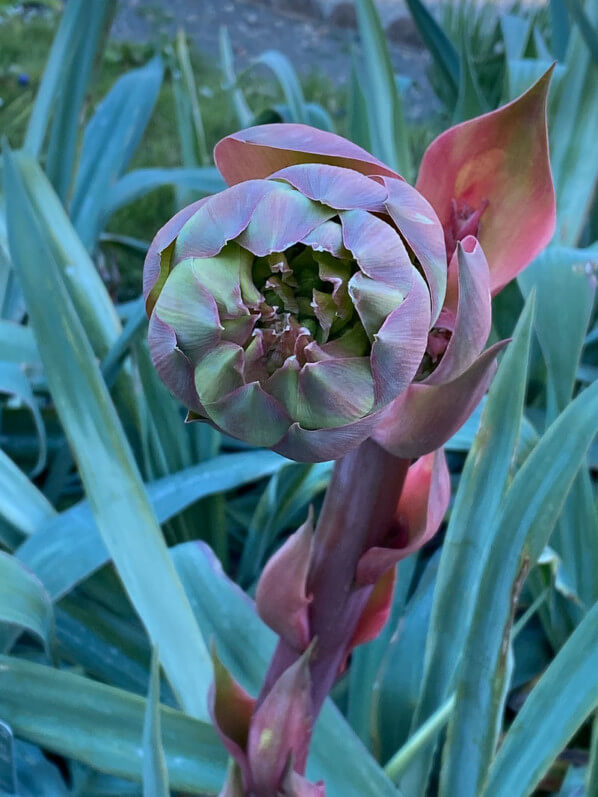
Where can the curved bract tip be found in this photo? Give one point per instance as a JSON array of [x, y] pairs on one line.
[[496, 168], [260, 151]]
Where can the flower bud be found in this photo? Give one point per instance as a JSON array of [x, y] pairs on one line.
[[290, 311], [303, 308], [281, 728], [269, 741]]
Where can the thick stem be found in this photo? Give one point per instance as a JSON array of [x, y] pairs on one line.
[[359, 511]]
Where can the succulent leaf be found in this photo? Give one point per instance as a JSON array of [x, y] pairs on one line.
[[376, 611], [422, 506], [231, 709], [468, 313], [281, 595]]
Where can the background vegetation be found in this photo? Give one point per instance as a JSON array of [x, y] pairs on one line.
[[126, 535]]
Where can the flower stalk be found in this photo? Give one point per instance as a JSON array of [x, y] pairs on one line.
[[324, 592], [323, 307], [359, 512]]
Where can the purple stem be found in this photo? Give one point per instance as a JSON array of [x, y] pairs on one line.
[[358, 512]]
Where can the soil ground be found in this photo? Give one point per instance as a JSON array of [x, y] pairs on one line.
[[316, 35]]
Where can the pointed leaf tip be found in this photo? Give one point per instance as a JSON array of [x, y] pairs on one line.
[[469, 310], [281, 598], [500, 158], [376, 611], [424, 417], [281, 727], [231, 709]]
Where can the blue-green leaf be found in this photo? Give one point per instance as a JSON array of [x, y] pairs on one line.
[[105, 461], [8, 773], [36, 775], [515, 33], [521, 531], [559, 17], [288, 492], [588, 31], [562, 277], [365, 698], [135, 184], [574, 146], [72, 537], [92, 25], [358, 122], [562, 699], [243, 111], [470, 98], [78, 30], [289, 82], [82, 279], [465, 550], [440, 46], [24, 603], [398, 679], [388, 131], [592, 770], [21, 503], [103, 726], [155, 773], [110, 139], [318, 116], [14, 382], [190, 90], [17, 343]]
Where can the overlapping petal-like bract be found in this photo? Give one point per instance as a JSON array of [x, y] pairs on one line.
[[490, 176], [309, 305], [455, 373], [290, 311], [268, 741], [423, 503], [489, 181]]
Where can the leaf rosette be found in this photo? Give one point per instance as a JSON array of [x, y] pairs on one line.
[[289, 311]]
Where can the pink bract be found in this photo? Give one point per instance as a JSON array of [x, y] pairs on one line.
[[267, 741], [497, 163]]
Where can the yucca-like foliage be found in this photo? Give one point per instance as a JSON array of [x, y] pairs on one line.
[[127, 537]]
